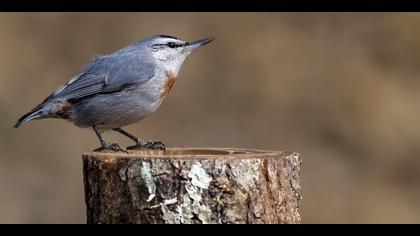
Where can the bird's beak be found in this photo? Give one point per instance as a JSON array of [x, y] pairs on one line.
[[196, 44]]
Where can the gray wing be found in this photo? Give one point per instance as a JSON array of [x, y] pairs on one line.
[[105, 75]]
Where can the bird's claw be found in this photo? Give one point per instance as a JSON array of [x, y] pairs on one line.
[[111, 147], [148, 145], [156, 145]]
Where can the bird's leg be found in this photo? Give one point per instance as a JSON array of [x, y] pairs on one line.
[[141, 143], [106, 146], [132, 137]]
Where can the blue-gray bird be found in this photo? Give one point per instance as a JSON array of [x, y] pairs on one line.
[[119, 89]]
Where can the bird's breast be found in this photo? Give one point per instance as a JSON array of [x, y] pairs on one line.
[[167, 86]]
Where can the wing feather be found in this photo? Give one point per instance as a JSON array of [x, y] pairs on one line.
[[105, 75]]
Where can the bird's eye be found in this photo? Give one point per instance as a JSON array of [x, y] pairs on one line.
[[171, 45]]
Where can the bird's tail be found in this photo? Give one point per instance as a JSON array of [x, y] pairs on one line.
[[49, 109], [34, 114]]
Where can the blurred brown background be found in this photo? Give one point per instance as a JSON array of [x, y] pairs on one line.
[[342, 89]]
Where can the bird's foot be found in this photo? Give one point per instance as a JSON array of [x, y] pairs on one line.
[[111, 147], [155, 145], [148, 145]]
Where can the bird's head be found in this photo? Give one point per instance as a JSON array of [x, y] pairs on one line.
[[170, 52]]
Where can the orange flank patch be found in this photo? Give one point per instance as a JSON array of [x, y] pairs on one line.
[[169, 83], [64, 111], [66, 104]]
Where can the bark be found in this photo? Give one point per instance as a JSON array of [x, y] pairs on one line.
[[184, 185]]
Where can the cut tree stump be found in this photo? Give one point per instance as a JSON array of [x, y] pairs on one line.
[[192, 185]]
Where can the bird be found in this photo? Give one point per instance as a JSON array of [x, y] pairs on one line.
[[119, 89]]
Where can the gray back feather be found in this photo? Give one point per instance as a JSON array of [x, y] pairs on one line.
[[108, 74]]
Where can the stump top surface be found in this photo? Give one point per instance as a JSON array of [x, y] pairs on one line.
[[190, 153]]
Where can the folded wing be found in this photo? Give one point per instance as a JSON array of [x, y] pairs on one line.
[[105, 75]]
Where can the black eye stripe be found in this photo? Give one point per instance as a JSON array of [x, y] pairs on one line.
[[170, 44]]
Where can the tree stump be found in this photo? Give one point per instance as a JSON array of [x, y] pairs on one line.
[[187, 185]]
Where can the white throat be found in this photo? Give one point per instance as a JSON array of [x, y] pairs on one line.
[[172, 66]]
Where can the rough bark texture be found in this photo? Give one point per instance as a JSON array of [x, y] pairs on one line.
[[192, 186]]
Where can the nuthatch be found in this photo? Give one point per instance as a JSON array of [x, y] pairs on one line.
[[119, 89]]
